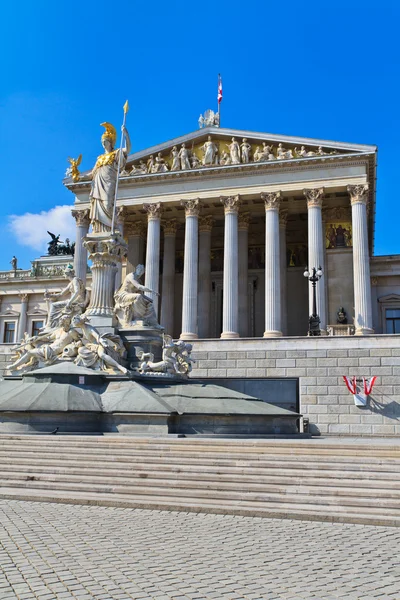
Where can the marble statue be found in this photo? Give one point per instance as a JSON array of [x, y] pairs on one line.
[[140, 169], [132, 306], [73, 170], [257, 154], [184, 158], [234, 151], [104, 179], [201, 121], [14, 263], [176, 162], [48, 346], [195, 161], [225, 158], [71, 300], [160, 166], [150, 164], [245, 151], [101, 352], [209, 150], [264, 154], [176, 359], [283, 153]]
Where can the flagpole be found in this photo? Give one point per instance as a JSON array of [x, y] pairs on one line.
[[126, 108], [219, 102]]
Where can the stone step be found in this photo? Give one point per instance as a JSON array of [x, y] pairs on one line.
[[294, 511], [178, 445], [280, 445], [263, 462], [327, 487], [199, 473], [302, 496]]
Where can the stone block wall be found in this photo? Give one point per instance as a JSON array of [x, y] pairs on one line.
[[320, 364]]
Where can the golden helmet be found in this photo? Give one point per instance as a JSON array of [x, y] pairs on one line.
[[110, 132]]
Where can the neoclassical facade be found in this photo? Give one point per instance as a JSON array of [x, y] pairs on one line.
[[226, 221]]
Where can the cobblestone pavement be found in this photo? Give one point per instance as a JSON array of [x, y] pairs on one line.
[[56, 551]]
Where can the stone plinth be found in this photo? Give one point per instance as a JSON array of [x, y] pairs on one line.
[[138, 339]]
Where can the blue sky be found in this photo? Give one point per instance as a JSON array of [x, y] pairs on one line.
[[327, 70]]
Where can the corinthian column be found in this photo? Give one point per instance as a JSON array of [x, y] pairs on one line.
[[273, 327], [121, 214], [362, 278], [134, 233], [316, 252], [190, 269], [168, 276], [152, 273], [230, 306], [204, 303], [22, 316], [283, 214], [243, 230], [80, 257]]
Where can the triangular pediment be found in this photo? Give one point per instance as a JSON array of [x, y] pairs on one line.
[[193, 151]]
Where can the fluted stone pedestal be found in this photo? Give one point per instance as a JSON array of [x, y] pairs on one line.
[[106, 252]]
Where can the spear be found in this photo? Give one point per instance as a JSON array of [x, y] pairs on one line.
[[126, 108]]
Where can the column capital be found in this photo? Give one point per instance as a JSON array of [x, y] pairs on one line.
[[231, 204], [170, 227], [358, 193], [24, 297], [283, 216], [315, 197], [206, 223], [244, 221], [272, 200], [192, 207], [153, 211], [81, 217], [136, 228]]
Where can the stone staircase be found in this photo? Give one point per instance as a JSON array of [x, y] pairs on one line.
[[324, 480]]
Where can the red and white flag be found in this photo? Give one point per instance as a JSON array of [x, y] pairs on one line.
[[369, 384], [351, 384], [219, 97]]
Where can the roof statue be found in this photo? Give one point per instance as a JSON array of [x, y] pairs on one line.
[[209, 119], [73, 170]]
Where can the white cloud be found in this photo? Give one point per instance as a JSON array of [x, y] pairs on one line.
[[30, 229]]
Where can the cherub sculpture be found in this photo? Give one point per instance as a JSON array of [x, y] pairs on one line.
[[73, 170]]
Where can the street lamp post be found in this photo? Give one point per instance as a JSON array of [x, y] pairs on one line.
[[314, 321]]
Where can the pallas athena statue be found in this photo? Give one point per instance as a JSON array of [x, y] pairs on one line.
[[104, 178]]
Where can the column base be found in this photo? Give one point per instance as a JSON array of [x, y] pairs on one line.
[[363, 331], [229, 335], [272, 334], [188, 336]]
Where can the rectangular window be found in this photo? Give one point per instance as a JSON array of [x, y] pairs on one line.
[[9, 332], [36, 327], [392, 320]]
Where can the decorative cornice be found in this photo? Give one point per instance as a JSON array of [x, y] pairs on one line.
[[358, 193], [81, 217], [170, 227], [153, 211], [283, 217], [206, 223], [272, 200], [134, 229], [231, 204], [192, 207], [244, 221], [315, 197]]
